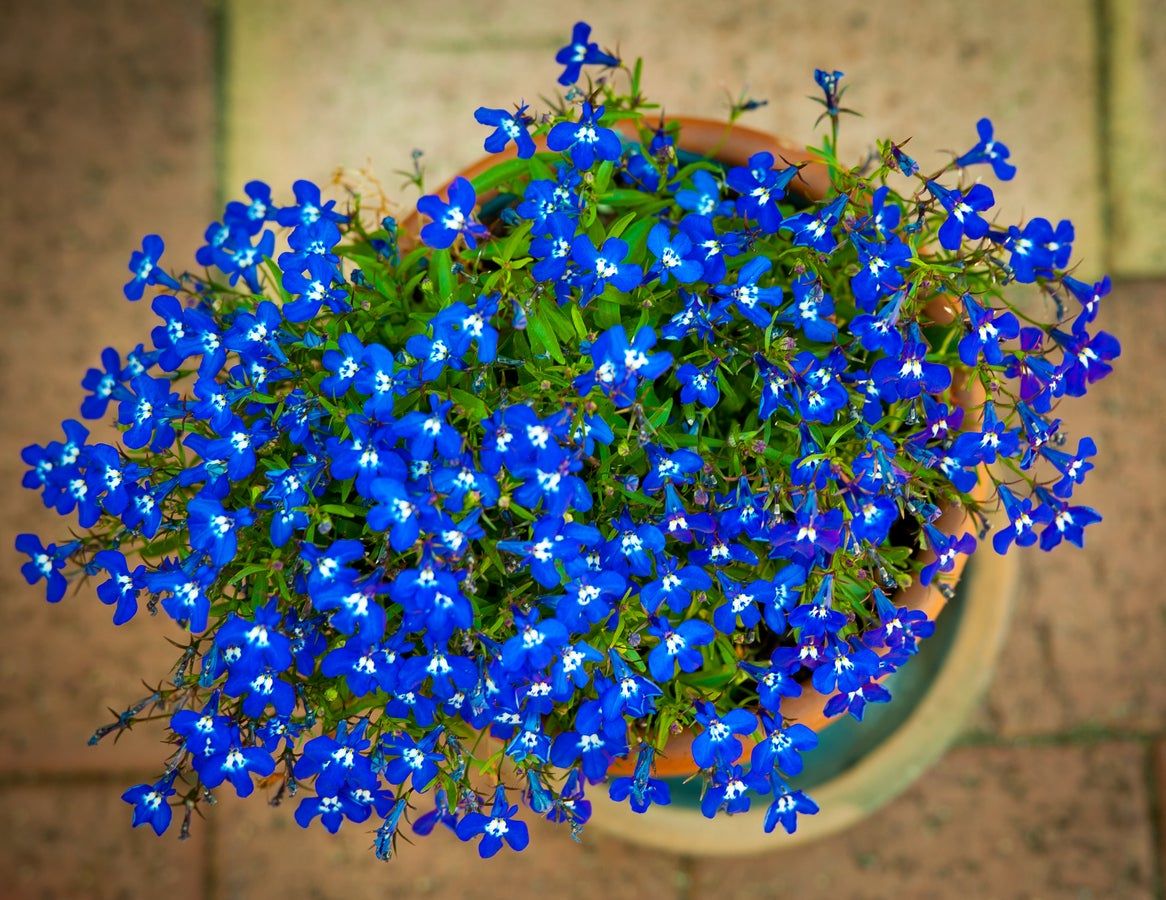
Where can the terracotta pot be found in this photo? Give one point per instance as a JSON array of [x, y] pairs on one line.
[[733, 145]]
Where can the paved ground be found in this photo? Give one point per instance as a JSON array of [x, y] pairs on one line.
[[1058, 790]]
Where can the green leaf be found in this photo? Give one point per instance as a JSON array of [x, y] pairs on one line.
[[542, 336], [474, 406], [620, 224], [441, 273], [603, 176], [500, 174]]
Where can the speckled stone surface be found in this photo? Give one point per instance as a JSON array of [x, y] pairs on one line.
[[926, 71], [1136, 134]]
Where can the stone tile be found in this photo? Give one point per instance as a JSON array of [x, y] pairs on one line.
[[107, 137], [1158, 781], [395, 79], [1136, 162], [261, 852], [1005, 823], [75, 841], [1085, 650]]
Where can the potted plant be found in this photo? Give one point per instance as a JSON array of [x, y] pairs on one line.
[[644, 448]]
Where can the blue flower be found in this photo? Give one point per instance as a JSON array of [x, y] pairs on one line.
[[776, 682], [1068, 522], [239, 258], [440, 814], [258, 641], [1073, 467], [811, 309], [900, 628], [507, 127], [552, 539], [910, 375], [817, 619], [946, 548], [748, 298], [880, 269], [640, 787], [408, 759], [1022, 521], [321, 284], [149, 803], [1087, 358], [620, 365], [123, 586], [338, 761], [589, 598], [817, 229], [717, 743], [581, 52], [760, 188], [333, 809], [144, 265], [569, 672], [214, 529], [1039, 248], [44, 563], [500, 825], [452, 218], [988, 151], [628, 694], [988, 328], [101, 383], [308, 208], [430, 433], [234, 763], [148, 408], [854, 702], [1089, 296], [677, 646], [710, 247], [677, 467], [728, 789], [594, 742], [820, 394], [586, 140], [994, 439], [386, 833], [844, 668], [534, 644], [704, 197], [963, 213], [699, 385], [674, 256], [552, 247], [249, 217], [786, 808], [603, 266], [829, 83]]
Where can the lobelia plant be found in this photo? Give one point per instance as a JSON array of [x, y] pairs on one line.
[[642, 443]]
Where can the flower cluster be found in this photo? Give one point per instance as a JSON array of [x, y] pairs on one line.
[[476, 512]]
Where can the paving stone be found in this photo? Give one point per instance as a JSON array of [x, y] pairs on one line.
[[1158, 781], [1085, 648], [1005, 823], [106, 138], [387, 78], [1136, 166], [75, 841], [261, 852]]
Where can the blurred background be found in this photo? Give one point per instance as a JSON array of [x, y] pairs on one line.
[[122, 117]]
